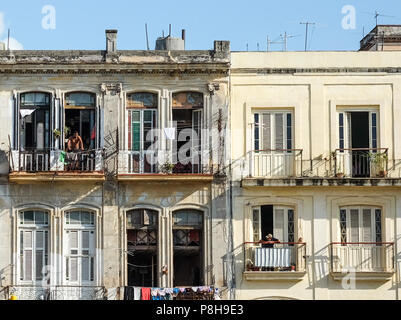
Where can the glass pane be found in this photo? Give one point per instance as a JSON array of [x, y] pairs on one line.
[[85, 269], [39, 217], [28, 217], [80, 99], [142, 100], [75, 217]]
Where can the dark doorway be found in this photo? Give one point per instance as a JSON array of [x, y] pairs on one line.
[[187, 268], [266, 216], [82, 121], [142, 269], [360, 140]]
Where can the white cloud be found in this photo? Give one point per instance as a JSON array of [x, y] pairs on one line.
[[1, 23], [14, 44]]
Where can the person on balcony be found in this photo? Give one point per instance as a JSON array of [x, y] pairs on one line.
[[74, 146], [270, 241]]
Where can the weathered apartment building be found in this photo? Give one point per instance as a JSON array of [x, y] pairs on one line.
[[300, 145]]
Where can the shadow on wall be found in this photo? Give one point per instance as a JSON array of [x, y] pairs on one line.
[[3, 163]]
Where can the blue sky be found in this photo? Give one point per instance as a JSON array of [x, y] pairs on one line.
[[81, 24]]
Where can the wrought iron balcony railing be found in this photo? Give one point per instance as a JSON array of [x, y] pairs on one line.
[[275, 256], [149, 162], [56, 292], [56, 160], [361, 162]]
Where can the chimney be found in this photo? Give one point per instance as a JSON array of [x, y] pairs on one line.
[[183, 36], [111, 41]]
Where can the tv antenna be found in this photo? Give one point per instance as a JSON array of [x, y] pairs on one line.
[[376, 15], [270, 42], [285, 38], [306, 32]]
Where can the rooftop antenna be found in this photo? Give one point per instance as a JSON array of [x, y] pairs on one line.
[[246, 47], [306, 32], [8, 40], [169, 30], [147, 38], [285, 38], [257, 45], [270, 42], [376, 15]]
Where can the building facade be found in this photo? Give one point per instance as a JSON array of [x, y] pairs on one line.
[[317, 166], [130, 208], [190, 159]]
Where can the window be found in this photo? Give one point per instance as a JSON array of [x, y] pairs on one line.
[[80, 116], [360, 224], [79, 247], [276, 220], [273, 131], [33, 229], [142, 120], [34, 121], [142, 229], [187, 115], [187, 241]]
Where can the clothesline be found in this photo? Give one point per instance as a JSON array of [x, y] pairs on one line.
[[152, 293]]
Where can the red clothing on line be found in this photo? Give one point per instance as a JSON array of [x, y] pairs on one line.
[[145, 294]]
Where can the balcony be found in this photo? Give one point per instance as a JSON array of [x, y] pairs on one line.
[[281, 261], [49, 165], [275, 164], [145, 166], [57, 292], [369, 261], [361, 163]]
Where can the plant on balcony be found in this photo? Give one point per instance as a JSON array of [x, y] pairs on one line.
[[166, 168], [378, 160], [56, 133]]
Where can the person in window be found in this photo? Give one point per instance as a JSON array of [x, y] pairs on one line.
[[74, 146], [270, 241]]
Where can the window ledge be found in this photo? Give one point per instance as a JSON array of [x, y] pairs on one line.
[[274, 275], [364, 276]]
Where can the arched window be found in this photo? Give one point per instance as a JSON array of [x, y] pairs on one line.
[[142, 120], [79, 247], [187, 242], [187, 114], [80, 116], [33, 229], [142, 229], [35, 121]]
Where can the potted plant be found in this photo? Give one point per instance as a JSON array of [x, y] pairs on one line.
[[167, 167], [67, 131], [377, 161], [56, 133]]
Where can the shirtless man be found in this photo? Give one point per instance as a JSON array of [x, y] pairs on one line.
[[74, 145]]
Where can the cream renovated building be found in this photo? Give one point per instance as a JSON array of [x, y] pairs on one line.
[[316, 162]]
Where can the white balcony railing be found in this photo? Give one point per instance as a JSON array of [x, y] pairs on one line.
[[284, 256], [56, 160], [275, 163], [362, 257]]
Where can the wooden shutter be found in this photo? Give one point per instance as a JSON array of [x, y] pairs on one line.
[[279, 131], [289, 131], [278, 224], [256, 225], [266, 131], [39, 253], [341, 130], [136, 130], [366, 225], [354, 225], [27, 243], [373, 130]]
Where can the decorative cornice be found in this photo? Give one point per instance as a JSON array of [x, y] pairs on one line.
[[390, 70]]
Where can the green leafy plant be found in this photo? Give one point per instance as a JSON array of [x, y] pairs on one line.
[[378, 161], [166, 167], [57, 133], [67, 131]]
